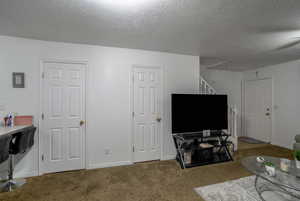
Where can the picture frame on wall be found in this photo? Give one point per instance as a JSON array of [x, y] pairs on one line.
[[18, 80]]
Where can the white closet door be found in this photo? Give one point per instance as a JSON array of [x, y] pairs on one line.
[[63, 128], [147, 104]]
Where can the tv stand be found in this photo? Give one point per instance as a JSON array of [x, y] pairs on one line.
[[196, 149]]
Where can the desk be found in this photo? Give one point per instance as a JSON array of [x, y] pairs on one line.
[[18, 146], [12, 130]]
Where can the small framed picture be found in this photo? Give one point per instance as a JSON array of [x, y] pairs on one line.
[[18, 80]]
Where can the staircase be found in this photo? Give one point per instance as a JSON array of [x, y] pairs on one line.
[[206, 88]]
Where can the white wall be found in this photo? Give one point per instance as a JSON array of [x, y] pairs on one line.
[[227, 82], [286, 100], [108, 89]]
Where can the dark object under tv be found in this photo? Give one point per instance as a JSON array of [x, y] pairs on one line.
[[191, 115]]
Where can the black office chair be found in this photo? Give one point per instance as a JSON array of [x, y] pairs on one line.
[[21, 143], [30, 141], [4, 149]]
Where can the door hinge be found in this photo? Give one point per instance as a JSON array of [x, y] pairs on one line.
[[43, 116], [43, 75], [133, 149], [132, 78], [43, 157], [133, 114]]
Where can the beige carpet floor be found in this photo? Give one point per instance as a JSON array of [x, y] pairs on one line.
[[153, 181]]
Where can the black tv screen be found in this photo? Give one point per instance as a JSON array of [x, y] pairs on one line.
[[197, 112]]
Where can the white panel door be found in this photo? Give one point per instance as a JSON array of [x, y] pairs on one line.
[[258, 108], [63, 128], [147, 107]]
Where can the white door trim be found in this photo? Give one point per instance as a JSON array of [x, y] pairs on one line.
[[84, 142], [132, 110], [243, 105]]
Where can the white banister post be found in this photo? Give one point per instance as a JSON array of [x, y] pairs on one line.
[[201, 85], [229, 119], [235, 128]]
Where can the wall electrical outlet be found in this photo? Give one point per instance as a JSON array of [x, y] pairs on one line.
[[107, 151]]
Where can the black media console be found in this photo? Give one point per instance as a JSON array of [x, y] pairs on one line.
[[202, 148]]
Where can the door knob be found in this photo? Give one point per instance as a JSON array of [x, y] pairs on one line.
[[267, 114], [81, 122], [158, 119]]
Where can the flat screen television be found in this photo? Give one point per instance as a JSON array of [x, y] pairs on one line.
[[193, 113]]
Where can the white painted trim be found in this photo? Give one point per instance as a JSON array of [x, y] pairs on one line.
[[20, 174], [41, 87], [215, 64], [109, 164], [242, 110], [243, 124], [272, 112], [65, 61], [169, 157], [162, 70], [27, 174], [39, 118], [131, 85]]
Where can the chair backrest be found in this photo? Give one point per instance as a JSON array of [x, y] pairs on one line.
[[4, 147], [23, 141], [30, 140], [19, 143]]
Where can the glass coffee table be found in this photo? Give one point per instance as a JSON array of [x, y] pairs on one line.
[[285, 184]]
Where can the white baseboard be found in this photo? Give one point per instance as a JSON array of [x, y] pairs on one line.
[[169, 157], [26, 174], [109, 164], [281, 145], [4, 174]]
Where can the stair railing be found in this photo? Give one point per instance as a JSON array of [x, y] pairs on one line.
[[206, 88]]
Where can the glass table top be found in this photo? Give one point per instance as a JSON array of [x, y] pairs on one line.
[[290, 179]]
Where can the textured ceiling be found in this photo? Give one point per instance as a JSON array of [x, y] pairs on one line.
[[244, 33]]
